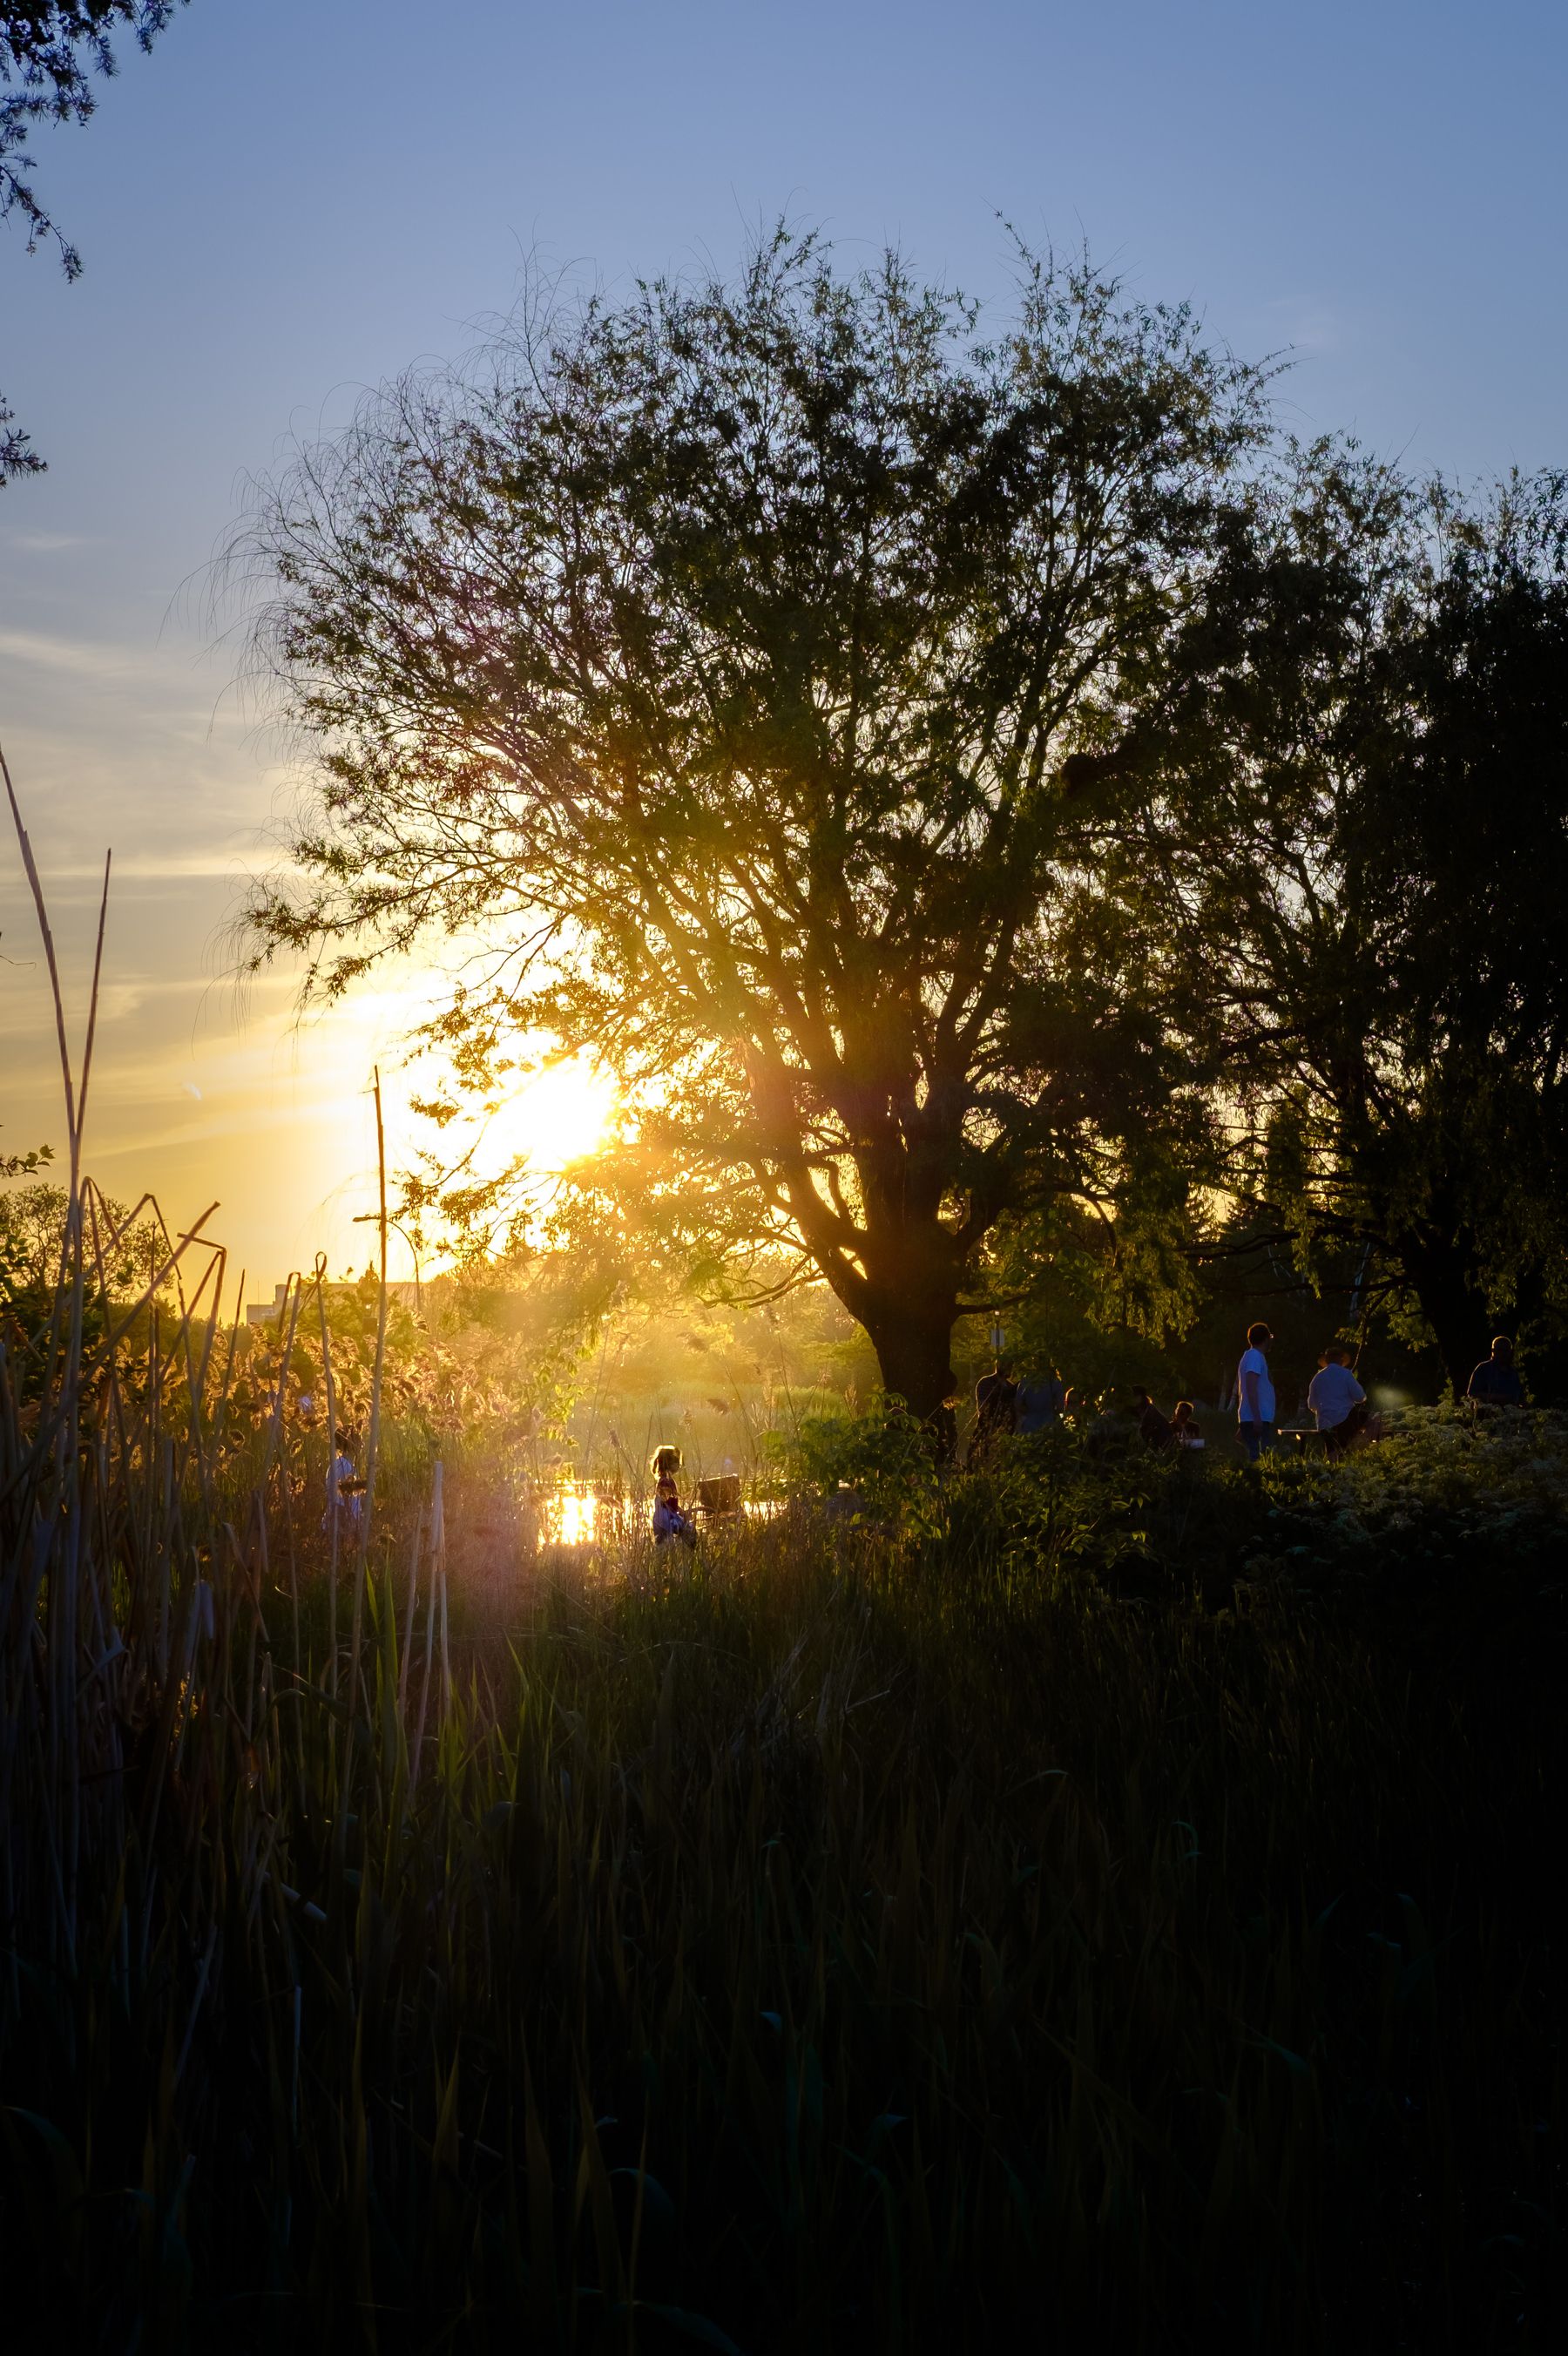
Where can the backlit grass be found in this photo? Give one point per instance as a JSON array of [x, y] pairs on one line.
[[1123, 1918]]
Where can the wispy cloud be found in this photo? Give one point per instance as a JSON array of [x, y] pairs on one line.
[[81, 658], [48, 543], [268, 1119], [1306, 324], [132, 993], [147, 867]]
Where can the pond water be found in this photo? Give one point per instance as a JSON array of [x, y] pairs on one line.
[[569, 1516], [585, 1513]]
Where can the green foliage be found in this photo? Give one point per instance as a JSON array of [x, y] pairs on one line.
[[1103, 1295], [32, 1253], [953, 882], [879, 1462], [488, 1366], [1111, 1896], [1445, 1498], [1123, 1903], [1362, 796], [25, 1165]]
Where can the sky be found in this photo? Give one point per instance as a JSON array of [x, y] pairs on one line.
[[292, 199]]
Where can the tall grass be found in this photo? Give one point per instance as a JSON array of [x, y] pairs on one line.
[[820, 1946], [1120, 1918]]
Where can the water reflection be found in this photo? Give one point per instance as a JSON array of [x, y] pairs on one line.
[[577, 1515], [587, 1512], [574, 1514]]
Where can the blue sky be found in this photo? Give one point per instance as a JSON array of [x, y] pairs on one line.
[[291, 198]]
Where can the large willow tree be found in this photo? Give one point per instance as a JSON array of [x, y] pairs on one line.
[[727, 660]]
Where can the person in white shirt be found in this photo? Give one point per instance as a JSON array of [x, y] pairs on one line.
[[1333, 1396], [1254, 1395]]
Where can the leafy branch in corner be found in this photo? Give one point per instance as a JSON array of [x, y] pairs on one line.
[[49, 52]]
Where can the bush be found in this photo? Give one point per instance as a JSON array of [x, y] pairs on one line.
[[880, 1463]]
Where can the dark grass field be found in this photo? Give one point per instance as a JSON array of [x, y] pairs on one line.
[[1125, 1919]]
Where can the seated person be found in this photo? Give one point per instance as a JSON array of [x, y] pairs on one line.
[[1336, 1399], [1153, 1427], [1496, 1382], [344, 1487], [669, 1521], [1184, 1425]]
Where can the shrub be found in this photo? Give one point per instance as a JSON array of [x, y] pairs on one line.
[[880, 1463]]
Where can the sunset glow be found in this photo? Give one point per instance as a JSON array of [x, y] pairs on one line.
[[556, 1118], [783, 812]]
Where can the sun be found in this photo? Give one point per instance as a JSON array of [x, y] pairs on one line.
[[556, 1118]]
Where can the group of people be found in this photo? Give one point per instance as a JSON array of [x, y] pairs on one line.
[[1022, 1405], [1340, 1410], [1337, 1403], [1340, 1406]]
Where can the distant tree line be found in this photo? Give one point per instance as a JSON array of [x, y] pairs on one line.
[[985, 791]]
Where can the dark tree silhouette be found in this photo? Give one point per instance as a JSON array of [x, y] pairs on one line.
[[1363, 813], [723, 658]]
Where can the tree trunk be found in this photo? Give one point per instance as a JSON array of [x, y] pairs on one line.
[[900, 1268], [914, 1342], [1443, 1277]]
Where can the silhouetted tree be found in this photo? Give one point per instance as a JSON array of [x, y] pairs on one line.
[[721, 660], [1362, 812]]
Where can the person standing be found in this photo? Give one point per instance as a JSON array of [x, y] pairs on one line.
[[1496, 1382], [1254, 1395], [1039, 1403], [1334, 1395]]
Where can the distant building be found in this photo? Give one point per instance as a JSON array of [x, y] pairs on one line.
[[263, 1312], [269, 1313]]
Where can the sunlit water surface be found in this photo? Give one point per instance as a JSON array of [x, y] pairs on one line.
[[579, 1514]]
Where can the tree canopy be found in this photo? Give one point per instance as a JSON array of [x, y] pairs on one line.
[[1361, 798], [731, 662]]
